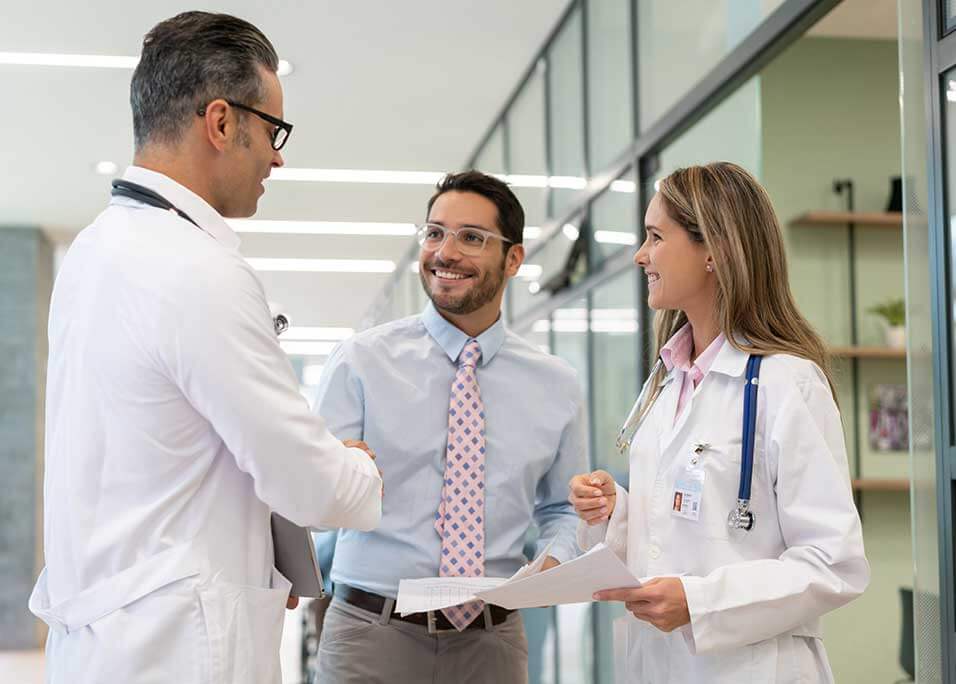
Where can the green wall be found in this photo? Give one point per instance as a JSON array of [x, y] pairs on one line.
[[830, 109]]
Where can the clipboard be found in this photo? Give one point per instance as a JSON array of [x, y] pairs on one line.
[[294, 552]]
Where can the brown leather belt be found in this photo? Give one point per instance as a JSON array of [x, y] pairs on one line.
[[435, 621]]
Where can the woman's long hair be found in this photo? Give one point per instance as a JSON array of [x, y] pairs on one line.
[[724, 207]]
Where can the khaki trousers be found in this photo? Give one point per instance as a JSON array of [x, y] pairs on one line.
[[364, 648]]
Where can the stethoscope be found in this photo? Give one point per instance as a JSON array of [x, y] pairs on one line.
[[140, 193], [741, 517]]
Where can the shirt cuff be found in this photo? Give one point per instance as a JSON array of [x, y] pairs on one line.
[[612, 532], [564, 548], [695, 633]]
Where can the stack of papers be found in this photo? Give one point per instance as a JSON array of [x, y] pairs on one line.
[[571, 582]]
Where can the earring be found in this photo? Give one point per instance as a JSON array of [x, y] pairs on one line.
[[709, 268]]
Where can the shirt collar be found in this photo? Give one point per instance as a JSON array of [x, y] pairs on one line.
[[452, 340], [678, 349], [730, 360], [187, 201]]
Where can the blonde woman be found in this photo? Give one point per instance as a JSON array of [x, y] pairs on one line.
[[728, 604]]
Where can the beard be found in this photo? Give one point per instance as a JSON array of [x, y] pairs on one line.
[[482, 292]]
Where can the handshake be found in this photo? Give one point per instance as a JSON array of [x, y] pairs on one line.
[[359, 444]]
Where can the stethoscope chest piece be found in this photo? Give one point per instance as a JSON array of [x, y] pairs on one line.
[[741, 517]]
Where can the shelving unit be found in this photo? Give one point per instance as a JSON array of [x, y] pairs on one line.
[[868, 352], [881, 485], [855, 353], [840, 219]]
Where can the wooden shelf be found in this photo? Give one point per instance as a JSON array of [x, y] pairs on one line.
[[868, 352], [841, 218], [881, 485]]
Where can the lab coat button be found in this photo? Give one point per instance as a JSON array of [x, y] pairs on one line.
[[654, 551]]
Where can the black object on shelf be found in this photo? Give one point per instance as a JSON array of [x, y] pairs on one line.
[[907, 650], [895, 202]]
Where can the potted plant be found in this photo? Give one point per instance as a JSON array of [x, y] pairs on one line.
[[893, 313]]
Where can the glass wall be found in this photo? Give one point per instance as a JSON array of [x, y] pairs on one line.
[[614, 221], [566, 115], [690, 37], [616, 354], [492, 157], [527, 148], [920, 357], [610, 82]]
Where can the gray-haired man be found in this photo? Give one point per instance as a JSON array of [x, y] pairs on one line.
[[174, 421]]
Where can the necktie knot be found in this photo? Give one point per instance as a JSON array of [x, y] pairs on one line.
[[470, 354]]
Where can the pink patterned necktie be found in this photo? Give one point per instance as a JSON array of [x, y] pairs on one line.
[[460, 520]]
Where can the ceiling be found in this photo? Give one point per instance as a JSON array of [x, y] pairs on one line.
[[377, 85]]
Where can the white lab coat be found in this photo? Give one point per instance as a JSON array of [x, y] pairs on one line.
[[755, 598], [174, 425]]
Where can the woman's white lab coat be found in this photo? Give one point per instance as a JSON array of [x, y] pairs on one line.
[[755, 598]]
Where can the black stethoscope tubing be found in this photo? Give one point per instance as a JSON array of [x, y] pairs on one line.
[[140, 193]]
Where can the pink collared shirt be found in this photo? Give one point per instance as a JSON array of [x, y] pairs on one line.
[[677, 353]]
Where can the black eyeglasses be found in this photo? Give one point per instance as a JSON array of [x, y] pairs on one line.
[[281, 132]]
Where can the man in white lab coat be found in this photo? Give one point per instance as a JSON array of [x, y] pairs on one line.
[[174, 424]]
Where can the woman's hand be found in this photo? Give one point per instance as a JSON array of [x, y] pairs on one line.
[[593, 496], [661, 602]]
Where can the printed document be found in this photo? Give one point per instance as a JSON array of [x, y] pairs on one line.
[[571, 582]]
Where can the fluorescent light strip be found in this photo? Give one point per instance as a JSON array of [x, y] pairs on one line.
[[303, 332], [579, 313], [623, 186], [323, 265], [91, 61], [573, 326], [527, 271], [432, 177], [50, 59], [356, 176], [308, 348], [614, 237], [321, 227]]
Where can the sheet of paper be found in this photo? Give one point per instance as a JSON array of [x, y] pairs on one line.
[[534, 567], [435, 593], [571, 582]]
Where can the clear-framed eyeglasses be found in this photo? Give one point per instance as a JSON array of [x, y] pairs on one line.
[[471, 241]]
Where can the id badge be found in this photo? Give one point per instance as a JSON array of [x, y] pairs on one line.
[[688, 491]]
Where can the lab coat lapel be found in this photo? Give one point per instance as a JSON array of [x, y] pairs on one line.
[[667, 407]]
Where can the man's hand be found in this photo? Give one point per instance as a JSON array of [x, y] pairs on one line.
[[359, 444], [593, 496], [661, 602], [550, 562], [291, 602]]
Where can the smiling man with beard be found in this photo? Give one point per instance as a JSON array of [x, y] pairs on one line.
[[479, 432]]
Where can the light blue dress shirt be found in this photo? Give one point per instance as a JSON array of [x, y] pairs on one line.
[[391, 385]]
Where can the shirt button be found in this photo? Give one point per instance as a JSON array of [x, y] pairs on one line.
[[654, 551]]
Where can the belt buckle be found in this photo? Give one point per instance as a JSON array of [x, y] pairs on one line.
[[433, 625]]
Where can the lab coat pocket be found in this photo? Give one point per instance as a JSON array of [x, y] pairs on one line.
[[720, 464], [244, 624], [168, 620]]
